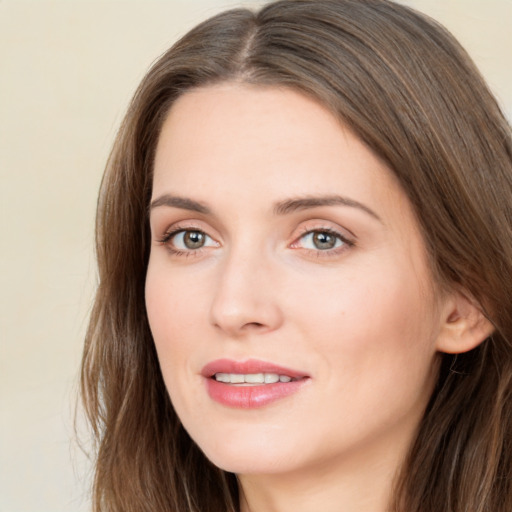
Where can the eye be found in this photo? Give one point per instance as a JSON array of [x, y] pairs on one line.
[[322, 240], [189, 240], [183, 240]]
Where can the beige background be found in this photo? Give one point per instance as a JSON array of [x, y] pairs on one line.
[[68, 69]]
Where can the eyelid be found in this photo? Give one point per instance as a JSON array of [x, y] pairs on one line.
[[319, 225], [170, 229]]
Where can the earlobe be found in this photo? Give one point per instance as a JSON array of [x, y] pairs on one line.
[[464, 326]]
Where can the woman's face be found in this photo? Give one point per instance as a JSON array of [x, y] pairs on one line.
[[288, 289]]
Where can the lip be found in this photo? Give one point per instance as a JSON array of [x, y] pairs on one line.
[[250, 397]]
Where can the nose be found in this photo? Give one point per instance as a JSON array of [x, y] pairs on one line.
[[245, 300]]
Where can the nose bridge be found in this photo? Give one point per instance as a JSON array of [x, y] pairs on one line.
[[243, 300]]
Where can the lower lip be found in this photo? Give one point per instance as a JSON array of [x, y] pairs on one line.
[[251, 397]]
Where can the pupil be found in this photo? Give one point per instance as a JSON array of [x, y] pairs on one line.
[[324, 240], [193, 239]]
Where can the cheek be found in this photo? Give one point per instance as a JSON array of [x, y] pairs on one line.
[[374, 354], [371, 326], [173, 298], [173, 308], [170, 308]]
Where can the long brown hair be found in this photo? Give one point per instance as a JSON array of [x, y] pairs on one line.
[[412, 94]]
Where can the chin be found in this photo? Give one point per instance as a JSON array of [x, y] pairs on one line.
[[251, 463], [250, 455]]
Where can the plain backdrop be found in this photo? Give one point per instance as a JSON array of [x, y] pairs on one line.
[[67, 71]]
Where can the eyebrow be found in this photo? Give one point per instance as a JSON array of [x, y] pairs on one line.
[[305, 203], [180, 202], [281, 208]]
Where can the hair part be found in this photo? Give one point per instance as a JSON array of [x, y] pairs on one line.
[[407, 89]]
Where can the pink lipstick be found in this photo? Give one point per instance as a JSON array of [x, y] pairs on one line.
[[250, 384]]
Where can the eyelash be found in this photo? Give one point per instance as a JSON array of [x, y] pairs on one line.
[[346, 243]]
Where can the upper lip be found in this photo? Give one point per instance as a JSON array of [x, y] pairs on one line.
[[249, 366]]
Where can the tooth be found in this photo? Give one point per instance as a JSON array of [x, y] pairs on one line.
[[255, 378], [251, 378]]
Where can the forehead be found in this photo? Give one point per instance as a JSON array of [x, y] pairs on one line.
[[245, 136], [249, 116]]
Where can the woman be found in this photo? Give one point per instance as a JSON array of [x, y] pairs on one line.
[[305, 253]]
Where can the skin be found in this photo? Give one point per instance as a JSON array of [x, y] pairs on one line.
[[363, 320]]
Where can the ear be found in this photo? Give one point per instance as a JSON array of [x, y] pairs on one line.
[[464, 325]]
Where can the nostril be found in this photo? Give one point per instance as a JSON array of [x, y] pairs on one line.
[[254, 324]]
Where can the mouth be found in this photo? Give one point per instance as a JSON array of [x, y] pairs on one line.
[[251, 379], [250, 384]]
